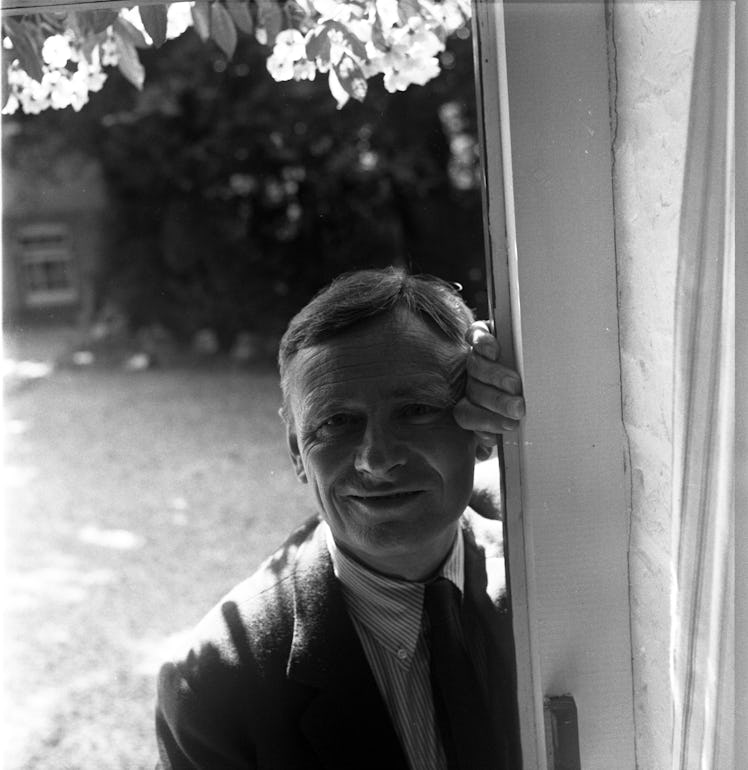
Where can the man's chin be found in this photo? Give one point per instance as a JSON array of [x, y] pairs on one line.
[[403, 549]]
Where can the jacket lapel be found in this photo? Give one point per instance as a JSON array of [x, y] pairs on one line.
[[346, 721]]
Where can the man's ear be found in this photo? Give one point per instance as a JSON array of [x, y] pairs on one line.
[[293, 449]]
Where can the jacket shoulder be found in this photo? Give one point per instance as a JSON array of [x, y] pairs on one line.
[[255, 618], [215, 698]]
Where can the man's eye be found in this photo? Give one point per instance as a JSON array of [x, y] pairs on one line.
[[338, 423], [338, 419], [421, 412]]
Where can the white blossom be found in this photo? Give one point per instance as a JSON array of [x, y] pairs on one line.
[[405, 52], [388, 13], [61, 85], [280, 68], [411, 72], [94, 75], [288, 49], [56, 51], [109, 51], [361, 28], [449, 14], [304, 70], [11, 105], [178, 19], [59, 89], [423, 43], [291, 43], [336, 89]]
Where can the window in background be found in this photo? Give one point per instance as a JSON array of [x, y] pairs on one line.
[[47, 265]]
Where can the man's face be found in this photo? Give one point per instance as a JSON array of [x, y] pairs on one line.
[[371, 430]]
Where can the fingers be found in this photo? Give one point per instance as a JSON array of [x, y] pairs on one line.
[[492, 402], [493, 373], [504, 401], [484, 422]]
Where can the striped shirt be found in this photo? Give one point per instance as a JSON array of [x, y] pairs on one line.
[[387, 615]]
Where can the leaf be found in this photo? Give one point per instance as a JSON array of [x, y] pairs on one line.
[[129, 63], [294, 13], [89, 43], [154, 21], [94, 21], [440, 32], [318, 47], [223, 30], [26, 48], [239, 10], [51, 23], [351, 78], [201, 20], [124, 29], [377, 34], [407, 9], [270, 18], [5, 62], [353, 43]]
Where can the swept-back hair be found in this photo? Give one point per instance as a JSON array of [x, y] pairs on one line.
[[364, 294]]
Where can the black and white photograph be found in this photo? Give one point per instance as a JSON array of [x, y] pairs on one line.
[[371, 394]]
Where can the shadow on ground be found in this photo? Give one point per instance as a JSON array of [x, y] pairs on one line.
[[134, 500]]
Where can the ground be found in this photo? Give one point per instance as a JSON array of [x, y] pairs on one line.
[[134, 500]]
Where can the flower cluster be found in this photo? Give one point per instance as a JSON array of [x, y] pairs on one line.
[[350, 41], [356, 41], [68, 76], [72, 65]]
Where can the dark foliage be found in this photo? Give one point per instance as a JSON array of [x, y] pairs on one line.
[[237, 197]]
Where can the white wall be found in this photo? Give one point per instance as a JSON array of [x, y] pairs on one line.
[[652, 58]]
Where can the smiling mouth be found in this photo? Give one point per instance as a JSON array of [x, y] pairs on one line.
[[385, 497]]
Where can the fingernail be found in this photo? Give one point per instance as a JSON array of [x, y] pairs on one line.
[[517, 407]]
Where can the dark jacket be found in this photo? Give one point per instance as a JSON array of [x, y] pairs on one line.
[[276, 676]]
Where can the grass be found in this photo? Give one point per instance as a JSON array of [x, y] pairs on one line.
[[134, 501]]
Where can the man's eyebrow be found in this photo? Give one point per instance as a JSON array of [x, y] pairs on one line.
[[320, 400], [423, 388]]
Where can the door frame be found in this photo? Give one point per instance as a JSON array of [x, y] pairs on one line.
[[544, 104]]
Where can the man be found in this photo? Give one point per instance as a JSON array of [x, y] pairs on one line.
[[378, 635]]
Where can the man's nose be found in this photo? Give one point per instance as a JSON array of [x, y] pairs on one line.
[[379, 451]]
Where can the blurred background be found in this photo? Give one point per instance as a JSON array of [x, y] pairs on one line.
[[155, 245]]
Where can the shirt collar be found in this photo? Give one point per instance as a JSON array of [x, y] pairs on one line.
[[390, 609]]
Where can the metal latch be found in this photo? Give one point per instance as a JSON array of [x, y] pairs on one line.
[[561, 733]]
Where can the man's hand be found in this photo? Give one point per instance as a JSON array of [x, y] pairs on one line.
[[493, 401]]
